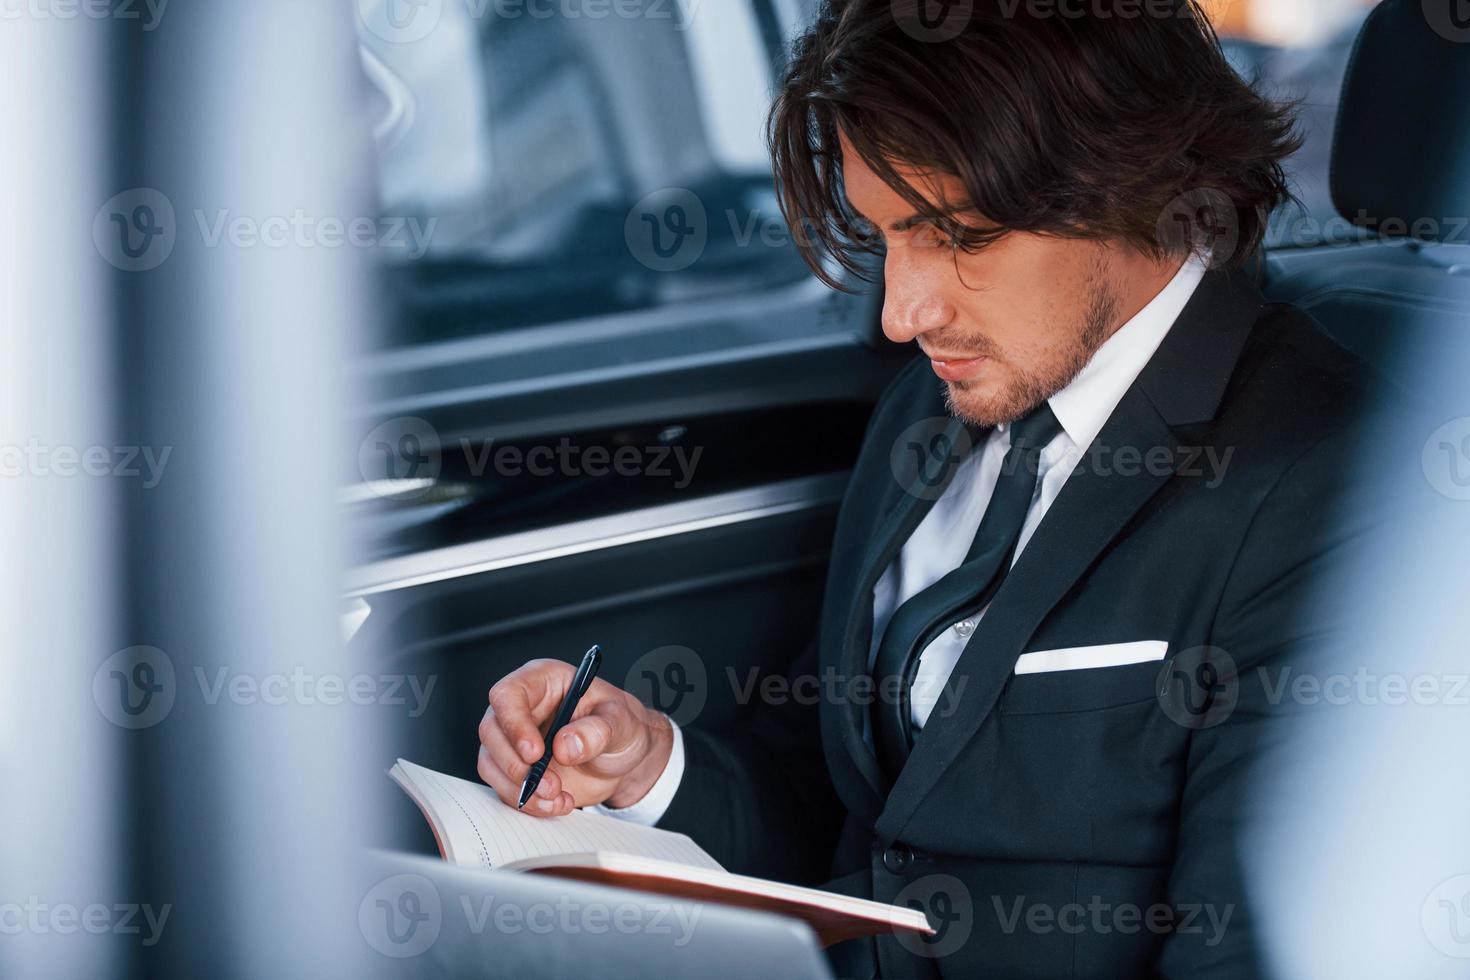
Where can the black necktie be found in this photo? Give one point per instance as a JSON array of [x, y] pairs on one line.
[[962, 593]]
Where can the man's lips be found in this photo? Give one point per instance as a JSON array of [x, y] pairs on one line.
[[957, 368]]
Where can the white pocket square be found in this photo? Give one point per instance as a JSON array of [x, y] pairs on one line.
[[1086, 658]]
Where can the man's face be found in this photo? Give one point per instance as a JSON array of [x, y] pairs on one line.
[[1005, 328]]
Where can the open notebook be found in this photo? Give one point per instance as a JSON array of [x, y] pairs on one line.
[[475, 829]]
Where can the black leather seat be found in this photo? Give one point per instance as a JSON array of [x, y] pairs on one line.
[[1401, 170]]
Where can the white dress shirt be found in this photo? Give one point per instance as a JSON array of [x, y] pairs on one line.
[[940, 542]]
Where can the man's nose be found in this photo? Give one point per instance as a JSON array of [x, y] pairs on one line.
[[913, 301]]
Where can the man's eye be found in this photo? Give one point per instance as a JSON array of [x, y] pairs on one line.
[[932, 237]]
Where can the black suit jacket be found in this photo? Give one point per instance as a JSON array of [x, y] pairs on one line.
[[1081, 823]]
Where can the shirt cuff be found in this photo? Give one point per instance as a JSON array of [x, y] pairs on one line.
[[655, 803]]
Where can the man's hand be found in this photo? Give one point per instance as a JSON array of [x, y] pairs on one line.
[[613, 750]]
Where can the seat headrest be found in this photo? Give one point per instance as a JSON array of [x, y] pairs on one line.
[[1401, 154]]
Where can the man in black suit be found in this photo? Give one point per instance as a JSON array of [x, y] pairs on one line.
[[1072, 567]]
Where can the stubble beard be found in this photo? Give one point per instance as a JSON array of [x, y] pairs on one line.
[[1025, 390]]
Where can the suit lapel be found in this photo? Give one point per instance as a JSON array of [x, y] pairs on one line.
[[899, 511], [1091, 509], [1182, 384]]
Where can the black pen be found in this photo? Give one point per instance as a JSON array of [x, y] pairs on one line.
[[591, 660]]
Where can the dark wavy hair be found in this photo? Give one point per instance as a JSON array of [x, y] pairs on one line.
[[1078, 118]]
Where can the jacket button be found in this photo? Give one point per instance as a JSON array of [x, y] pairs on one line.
[[897, 858]]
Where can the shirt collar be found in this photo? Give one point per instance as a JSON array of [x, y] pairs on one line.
[[1084, 405]]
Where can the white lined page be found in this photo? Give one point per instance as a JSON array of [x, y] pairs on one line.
[[483, 831]]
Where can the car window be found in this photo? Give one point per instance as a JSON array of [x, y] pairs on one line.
[[548, 162], [1298, 50]]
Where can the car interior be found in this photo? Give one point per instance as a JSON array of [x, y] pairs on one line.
[[1399, 148], [358, 353], [480, 575]]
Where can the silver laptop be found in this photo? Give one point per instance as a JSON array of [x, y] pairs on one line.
[[426, 918]]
